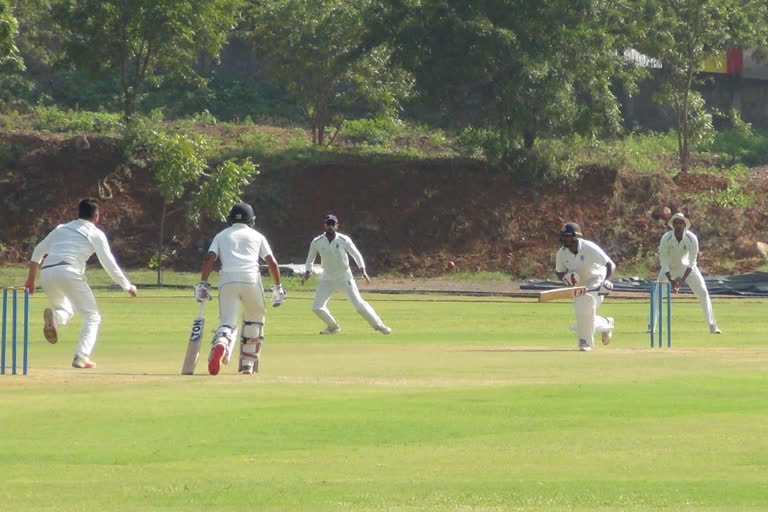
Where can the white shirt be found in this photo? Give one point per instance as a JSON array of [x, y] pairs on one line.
[[73, 243], [239, 248], [588, 263], [678, 255], [333, 256]]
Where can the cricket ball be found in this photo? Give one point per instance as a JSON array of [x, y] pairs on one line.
[[451, 266]]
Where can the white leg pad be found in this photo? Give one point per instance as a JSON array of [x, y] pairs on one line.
[[226, 335], [250, 346]]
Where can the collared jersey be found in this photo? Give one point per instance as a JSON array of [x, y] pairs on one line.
[[333, 256], [678, 254], [239, 248], [588, 263], [75, 242]]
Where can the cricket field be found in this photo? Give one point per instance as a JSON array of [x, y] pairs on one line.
[[471, 404]]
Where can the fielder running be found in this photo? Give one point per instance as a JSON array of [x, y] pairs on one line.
[[60, 257], [678, 252], [583, 263], [333, 248], [239, 248]]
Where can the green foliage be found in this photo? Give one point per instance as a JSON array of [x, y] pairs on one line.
[[10, 60], [748, 147], [77, 90], [377, 131], [178, 160], [683, 35], [53, 119], [550, 162], [319, 50], [733, 196], [539, 69], [204, 117], [222, 188], [180, 170], [639, 152], [143, 41]]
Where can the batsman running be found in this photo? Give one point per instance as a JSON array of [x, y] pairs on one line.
[[581, 262], [239, 248], [333, 248]]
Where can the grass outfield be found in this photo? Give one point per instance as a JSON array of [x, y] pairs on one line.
[[470, 405]]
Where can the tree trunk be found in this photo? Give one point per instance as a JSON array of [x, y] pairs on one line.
[[685, 154], [684, 135], [160, 248]]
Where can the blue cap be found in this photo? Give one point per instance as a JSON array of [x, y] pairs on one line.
[[329, 217], [571, 228], [241, 212]]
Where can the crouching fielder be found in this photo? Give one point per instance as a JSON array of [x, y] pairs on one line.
[[583, 263], [678, 253], [239, 248]]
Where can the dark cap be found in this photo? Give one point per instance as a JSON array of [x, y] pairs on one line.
[[571, 228], [241, 212], [329, 217]]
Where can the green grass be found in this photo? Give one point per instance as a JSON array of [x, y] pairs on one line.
[[471, 404]]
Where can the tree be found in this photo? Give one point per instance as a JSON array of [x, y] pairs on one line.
[[317, 49], [521, 69], [183, 179], [683, 34], [10, 61], [144, 40]]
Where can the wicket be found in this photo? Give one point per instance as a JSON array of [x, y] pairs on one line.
[[657, 292], [14, 330]]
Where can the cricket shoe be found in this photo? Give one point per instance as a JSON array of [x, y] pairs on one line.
[[607, 335], [216, 357], [49, 326], [331, 330], [82, 362], [249, 367], [584, 346], [383, 329], [714, 329]]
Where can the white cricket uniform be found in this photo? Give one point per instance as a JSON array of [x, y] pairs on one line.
[[239, 248], [589, 265], [66, 250], [676, 256], [337, 275]]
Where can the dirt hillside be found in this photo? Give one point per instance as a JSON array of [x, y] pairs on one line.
[[408, 217]]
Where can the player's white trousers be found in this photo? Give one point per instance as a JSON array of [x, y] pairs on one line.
[[251, 295], [69, 293], [695, 282], [588, 322], [325, 289]]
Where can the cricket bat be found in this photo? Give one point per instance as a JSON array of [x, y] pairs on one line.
[[562, 293], [193, 347]]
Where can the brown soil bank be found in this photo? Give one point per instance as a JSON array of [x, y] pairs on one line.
[[408, 217]]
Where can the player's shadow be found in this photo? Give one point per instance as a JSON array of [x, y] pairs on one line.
[[518, 349]]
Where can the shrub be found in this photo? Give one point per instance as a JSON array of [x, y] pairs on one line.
[[373, 132], [70, 121]]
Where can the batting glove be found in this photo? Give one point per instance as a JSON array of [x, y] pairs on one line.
[[605, 288], [203, 291], [570, 279], [278, 295]]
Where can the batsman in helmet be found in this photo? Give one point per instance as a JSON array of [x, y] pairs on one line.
[[239, 247], [580, 262]]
